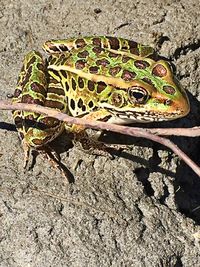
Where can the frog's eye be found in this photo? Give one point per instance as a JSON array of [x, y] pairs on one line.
[[137, 95]]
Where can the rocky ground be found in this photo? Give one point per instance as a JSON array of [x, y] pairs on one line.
[[140, 208]]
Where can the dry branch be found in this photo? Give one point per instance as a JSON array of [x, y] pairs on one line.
[[151, 134]]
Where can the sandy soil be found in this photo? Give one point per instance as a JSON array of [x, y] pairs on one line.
[[140, 208]]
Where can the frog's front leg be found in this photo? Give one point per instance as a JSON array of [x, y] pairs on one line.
[[98, 115], [91, 143]]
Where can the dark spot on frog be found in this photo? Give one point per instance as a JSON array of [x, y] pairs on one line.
[[66, 86], [169, 89], [63, 47], [80, 103], [114, 42], [54, 104], [114, 55], [113, 71], [93, 69], [97, 50], [50, 122], [64, 73], [72, 104], [41, 67], [83, 108], [128, 75], [56, 90], [40, 142], [159, 70], [30, 100], [30, 63], [103, 62], [91, 85], [53, 48], [132, 44], [90, 104], [100, 87], [80, 82], [80, 64], [18, 122], [83, 54], [17, 92], [30, 117], [80, 43], [52, 80], [125, 59], [147, 80], [96, 41], [134, 51], [51, 60], [39, 88], [56, 73], [73, 84], [141, 64]]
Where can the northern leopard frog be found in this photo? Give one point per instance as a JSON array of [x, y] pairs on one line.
[[99, 78]]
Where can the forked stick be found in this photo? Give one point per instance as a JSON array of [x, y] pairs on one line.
[[151, 134]]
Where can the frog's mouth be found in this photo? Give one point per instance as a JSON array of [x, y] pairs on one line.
[[142, 115], [130, 117]]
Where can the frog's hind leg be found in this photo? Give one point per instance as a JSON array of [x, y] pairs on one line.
[[121, 45]]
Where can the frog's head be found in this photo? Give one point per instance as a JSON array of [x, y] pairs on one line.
[[154, 95]]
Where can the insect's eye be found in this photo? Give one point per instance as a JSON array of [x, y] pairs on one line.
[[137, 95]]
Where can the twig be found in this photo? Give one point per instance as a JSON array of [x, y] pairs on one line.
[[136, 132], [190, 132]]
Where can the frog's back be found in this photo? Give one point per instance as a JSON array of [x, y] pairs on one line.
[[129, 80]]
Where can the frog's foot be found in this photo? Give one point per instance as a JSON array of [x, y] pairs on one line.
[[92, 140], [48, 153], [91, 146], [26, 149], [52, 156]]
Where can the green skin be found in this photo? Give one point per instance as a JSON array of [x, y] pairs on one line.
[[115, 75]]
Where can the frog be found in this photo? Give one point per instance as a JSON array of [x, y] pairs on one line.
[[101, 78]]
